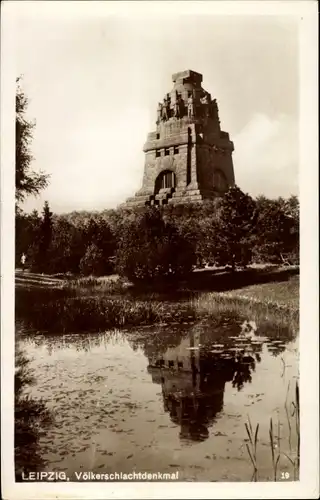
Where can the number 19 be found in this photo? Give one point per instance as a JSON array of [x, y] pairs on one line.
[[285, 475]]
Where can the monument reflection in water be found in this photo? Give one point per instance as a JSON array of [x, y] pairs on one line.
[[193, 378]]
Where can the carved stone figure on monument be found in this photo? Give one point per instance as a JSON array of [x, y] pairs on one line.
[[166, 111], [214, 113], [182, 109], [205, 104], [204, 99], [159, 112], [190, 106], [177, 107], [169, 107], [164, 114]]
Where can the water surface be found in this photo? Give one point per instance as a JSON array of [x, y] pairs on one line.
[[170, 398]]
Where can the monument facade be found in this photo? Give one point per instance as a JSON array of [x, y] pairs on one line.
[[188, 158]]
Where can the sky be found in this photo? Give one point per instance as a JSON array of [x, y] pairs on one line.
[[94, 83]]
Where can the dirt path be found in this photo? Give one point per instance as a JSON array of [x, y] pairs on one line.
[[26, 279]]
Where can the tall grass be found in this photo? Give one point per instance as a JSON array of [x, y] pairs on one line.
[[91, 304], [92, 284], [296, 413], [58, 313], [275, 440], [264, 313], [252, 447], [275, 459], [90, 314]]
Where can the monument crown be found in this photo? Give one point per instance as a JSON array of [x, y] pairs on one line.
[[189, 75]]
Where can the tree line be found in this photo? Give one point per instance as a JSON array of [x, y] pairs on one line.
[[153, 242]]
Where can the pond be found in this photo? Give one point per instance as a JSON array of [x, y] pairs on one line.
[[168, 399]]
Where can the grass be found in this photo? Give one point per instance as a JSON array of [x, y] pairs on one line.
[[275, 441], [97, 304], [265, 313], [275, 460], [58, 313], [284, 294], [252, 447], [108, 285]]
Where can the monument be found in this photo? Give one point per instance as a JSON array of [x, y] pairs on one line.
[[188, 158]]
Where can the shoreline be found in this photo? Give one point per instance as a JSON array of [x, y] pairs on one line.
[[66, 309]]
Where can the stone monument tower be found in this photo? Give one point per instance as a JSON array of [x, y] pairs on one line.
[[188, 158]]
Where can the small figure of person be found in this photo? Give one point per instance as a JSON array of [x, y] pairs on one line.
[[23, 261]]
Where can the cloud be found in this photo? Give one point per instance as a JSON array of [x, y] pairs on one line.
[[266, 156]]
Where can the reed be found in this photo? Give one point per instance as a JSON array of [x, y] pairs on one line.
[[252, 447], [295, 461], [288, 417], [59, 313], [100, 304], [275, 457], [91, 284], [297, 405], [275, 439], [90, 314]]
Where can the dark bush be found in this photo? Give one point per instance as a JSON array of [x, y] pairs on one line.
[[150, 248]]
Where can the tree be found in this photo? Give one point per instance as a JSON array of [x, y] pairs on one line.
[[100, 243], [45, 238], [27, 235], [28, 182], [292, 208], [235, 228], [149, 248], [92, 261], [67, 246], [277, 229], [197, 224]]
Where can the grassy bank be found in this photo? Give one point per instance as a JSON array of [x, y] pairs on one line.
[[283, 294], [275, 303], [266, 314], [58, 313], [97, 305]]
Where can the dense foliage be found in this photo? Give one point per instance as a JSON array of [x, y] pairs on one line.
[[149, 247], [153, 243]]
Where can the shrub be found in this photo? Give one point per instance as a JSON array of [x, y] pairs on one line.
[[30, 414], [92, 263], [150, 248]]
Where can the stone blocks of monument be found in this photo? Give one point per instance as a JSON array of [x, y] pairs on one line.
[[188, 158]]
